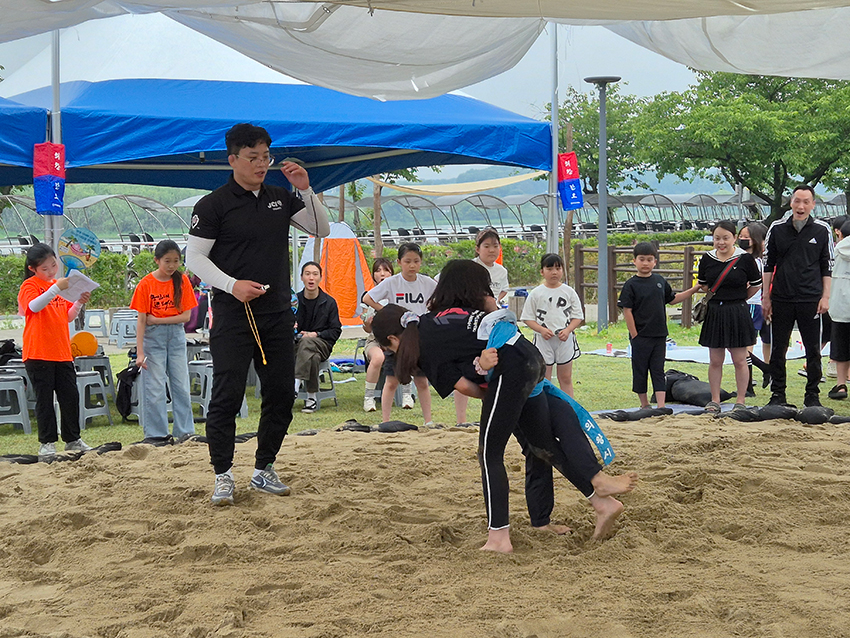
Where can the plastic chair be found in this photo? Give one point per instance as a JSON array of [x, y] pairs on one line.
[[13, 401], [122, 328], [16, 366], [326, 392], [359, 367], [101, 365], [96, 322], [90, 387]]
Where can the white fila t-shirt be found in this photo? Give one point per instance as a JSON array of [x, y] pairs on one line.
[[413, 295], [552, 308], [498, 277]]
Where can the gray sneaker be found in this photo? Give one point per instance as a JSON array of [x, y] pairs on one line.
[[78, 446], [46, 451], [268, 481], [223, 492]]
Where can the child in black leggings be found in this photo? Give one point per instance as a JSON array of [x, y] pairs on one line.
[[449, 345]]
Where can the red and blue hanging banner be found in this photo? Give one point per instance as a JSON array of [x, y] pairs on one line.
[[48, 178], [569, 184]]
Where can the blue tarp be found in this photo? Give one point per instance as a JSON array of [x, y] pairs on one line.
[[171, 132], [20, 128]]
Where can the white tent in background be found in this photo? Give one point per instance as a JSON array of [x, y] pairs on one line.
[[378, 49]]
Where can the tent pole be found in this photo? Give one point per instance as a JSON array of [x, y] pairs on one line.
[[53, 223], [552, 225]]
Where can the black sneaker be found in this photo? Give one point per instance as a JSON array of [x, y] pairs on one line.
[[750, 392], [778, 399], [310, 406], [811, 401]]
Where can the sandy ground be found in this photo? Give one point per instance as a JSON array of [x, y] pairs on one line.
[[734, 530]]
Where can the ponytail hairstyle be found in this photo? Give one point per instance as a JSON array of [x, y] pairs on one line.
[[393, 320], [162, 249], [36, 254]]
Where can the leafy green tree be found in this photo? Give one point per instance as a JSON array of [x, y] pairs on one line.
[[766, 133], [582, 111]]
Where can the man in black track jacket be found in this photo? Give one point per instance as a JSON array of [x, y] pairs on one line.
[[798, 256]]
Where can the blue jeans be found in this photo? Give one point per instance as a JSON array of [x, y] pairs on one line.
[[165, 349]]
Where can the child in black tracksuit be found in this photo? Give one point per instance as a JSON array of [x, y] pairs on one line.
[[643, 301]]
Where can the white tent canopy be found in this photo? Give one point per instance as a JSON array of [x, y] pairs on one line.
[[377, 49], [801, 44]]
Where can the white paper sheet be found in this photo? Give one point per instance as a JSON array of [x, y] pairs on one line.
[[78, 284]]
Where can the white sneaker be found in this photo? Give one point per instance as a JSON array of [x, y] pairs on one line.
[[46, 451], [831, 370], [78, 446], [407, 401], [369, 404]]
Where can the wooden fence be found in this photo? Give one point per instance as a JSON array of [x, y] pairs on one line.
[[676, 263]]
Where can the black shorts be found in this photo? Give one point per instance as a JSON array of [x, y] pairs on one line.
[[389, 365], [839, 349]]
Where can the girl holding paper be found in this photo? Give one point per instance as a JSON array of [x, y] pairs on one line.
[[47, 350]]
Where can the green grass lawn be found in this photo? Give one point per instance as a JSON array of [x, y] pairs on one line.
[[601, 383]]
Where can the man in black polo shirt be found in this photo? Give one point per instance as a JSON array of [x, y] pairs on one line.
[[239, 244], [798, 256]]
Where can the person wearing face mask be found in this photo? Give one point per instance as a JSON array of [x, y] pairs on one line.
[[751, 240]]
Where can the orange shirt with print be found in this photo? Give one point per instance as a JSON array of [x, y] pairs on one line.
[[154, 297], [46, 335]]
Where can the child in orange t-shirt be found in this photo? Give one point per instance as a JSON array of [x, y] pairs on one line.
[[47, 350], [164, 300]]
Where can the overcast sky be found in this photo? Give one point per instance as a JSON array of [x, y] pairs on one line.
[[582, 52]]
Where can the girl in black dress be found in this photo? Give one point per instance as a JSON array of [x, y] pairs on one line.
[[728, 325]]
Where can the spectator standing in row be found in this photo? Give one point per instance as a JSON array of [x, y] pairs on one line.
[[411, 290], [164, 300], [797, 280], [644, 299], [553, 311]]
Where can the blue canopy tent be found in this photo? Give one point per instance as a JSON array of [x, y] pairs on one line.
[[20, 128], [171, 132]]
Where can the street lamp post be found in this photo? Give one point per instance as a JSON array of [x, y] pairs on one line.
[[602, 83]]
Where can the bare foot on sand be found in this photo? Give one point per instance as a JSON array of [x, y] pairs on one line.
[[608, 510], [560, 530], [607, 485], [498, 540]]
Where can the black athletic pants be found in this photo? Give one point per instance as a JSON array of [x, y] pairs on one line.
[[648, 356], [513, 380], [805, 313], [60, 377], [233, 347], [551, 436]]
